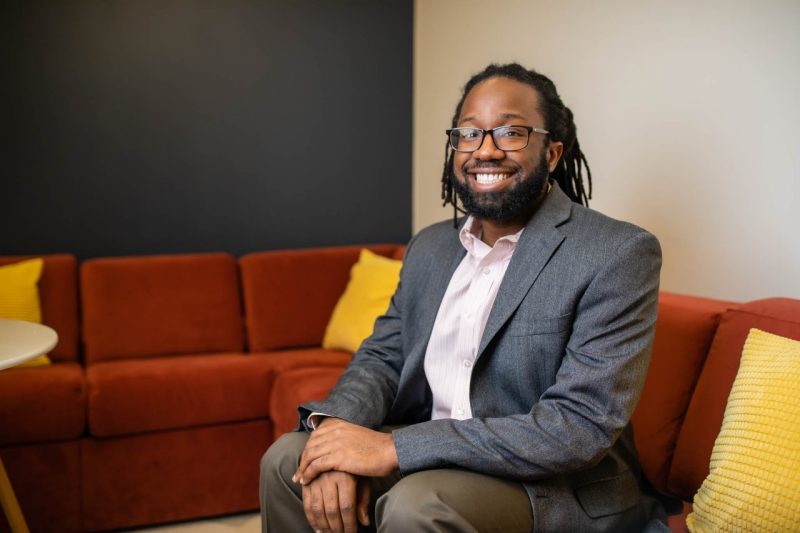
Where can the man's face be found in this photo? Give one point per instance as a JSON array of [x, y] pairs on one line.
[[493, 184]]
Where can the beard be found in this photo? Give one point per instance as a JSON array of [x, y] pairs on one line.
[[512, 205]]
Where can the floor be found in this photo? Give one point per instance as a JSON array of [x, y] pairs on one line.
[[241, 523]]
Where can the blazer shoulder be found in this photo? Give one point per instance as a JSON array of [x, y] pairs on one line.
[[588, 225]]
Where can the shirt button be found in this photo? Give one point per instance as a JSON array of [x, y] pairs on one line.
[[467, 314], [467, 363], [487, 271], [460, 411]]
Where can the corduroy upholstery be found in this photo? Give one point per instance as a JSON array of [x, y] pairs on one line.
[[300, 385], [779, 316], [160, 305], [172, 475], [42, 404], [43, 410], [46, 478], [170, 393], [278, 285], [684, 331]]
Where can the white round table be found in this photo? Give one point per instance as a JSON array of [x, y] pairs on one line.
[[22, 341], [19, 342]]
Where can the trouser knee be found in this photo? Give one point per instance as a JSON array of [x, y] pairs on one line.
[[453, 500], [406, 507], [280, 461]]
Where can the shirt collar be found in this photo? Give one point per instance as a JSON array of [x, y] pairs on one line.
[[470, 236]]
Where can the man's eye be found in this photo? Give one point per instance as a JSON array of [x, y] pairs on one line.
[[469, 134], [510, 133]]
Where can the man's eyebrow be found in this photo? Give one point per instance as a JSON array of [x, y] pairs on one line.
[[506, 116], [501, 116]]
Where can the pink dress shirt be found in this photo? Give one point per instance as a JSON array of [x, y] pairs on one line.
[[462, 316]]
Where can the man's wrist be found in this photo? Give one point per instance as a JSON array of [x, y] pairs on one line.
[[391, 453]]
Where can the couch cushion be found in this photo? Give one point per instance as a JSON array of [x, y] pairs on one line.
[[135, 396], [690, 466], [42, 404], [58, 295], [160, 305], [295, 387], [289, 295], [684, 330], [283, 360]]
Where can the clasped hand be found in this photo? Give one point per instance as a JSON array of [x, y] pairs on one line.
[[337, 459], [346, 447]]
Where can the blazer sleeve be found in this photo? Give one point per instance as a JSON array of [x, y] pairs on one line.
[[367, 388], [577, 419]]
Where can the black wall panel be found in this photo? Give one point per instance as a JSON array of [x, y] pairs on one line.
[[165, 126]]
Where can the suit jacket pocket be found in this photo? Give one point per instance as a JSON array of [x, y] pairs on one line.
[[525, 326], [609, 495]]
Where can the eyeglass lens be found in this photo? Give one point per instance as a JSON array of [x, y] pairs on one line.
[[505, 138]]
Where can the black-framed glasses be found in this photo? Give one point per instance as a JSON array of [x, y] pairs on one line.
[[506, 138]]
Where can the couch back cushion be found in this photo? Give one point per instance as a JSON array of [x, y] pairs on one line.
[[160, 305], [58, 297], [684, 329], [690, 466], [289, 295]]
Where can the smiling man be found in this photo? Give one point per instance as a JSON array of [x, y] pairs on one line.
[[496, 392]]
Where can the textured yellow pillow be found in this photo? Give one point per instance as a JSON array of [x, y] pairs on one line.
[[19, 296], [754, 480], [373, 281]]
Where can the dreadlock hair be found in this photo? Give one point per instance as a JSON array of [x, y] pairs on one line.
[[558, 120]]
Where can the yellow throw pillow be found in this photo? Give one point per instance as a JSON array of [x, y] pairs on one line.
[[754, 479], [19, 296], [373, 281]]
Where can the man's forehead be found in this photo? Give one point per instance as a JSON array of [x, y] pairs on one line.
[[500, 99], [499, 117]]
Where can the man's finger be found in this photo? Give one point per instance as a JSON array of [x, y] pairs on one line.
[[330, 500], [323, 464], [347, 502], [313, 509], [307, 458], [363, 490], [310, 454]]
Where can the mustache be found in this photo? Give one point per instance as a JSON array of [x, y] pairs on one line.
[[478, 165]]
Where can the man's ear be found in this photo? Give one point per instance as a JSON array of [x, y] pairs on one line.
[[554, 152]]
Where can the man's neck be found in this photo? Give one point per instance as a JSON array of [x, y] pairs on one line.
[[492, 230]]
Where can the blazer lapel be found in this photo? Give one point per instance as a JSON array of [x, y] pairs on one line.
[[534, 249]]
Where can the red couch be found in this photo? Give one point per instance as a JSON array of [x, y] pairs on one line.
[[159, 410], [187, 367]]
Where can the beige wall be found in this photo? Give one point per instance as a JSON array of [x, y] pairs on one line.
[[688, 113]]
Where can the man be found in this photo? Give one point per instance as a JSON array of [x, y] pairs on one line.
[[495, 393]]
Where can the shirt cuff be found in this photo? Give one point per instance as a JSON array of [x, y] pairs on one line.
[[314, 420]]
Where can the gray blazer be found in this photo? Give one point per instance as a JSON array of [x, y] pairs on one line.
[[560, 367]]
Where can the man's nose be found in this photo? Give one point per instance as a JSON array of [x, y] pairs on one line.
[[488, 150]]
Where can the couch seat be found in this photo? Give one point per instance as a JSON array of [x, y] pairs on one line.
[[142, 395]]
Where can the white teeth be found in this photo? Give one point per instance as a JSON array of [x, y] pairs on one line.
[[487, 179]]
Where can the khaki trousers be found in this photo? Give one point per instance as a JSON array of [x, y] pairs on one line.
[[430, 500]]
